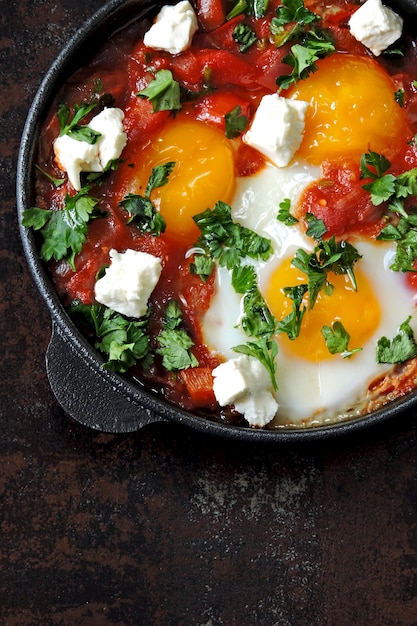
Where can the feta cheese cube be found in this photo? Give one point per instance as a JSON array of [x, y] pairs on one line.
[[245, 382], [173, 29], [277, 128], [75, 156], [376, 26], [128, 282]]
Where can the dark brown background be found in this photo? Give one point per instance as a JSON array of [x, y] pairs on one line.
[[165, 527]]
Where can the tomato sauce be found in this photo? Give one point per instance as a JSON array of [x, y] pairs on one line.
[[216, 78]]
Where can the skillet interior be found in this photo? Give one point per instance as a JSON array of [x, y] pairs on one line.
[[93, 396]]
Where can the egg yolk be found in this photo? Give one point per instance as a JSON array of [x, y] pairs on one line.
[[358, 311], [352, 109], [204, 173]]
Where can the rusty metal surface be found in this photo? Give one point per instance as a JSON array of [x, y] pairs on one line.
[[167, 527]]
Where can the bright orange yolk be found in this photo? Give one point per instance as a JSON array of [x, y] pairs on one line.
[[358, 311], [352, 109], [203, 173]]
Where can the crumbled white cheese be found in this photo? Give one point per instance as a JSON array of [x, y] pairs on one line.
[[376, 26], [128, 282], [75, 156], [277, 128], [173, 29], [245, 382]]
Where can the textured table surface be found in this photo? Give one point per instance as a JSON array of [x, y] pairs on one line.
[[166, 527]]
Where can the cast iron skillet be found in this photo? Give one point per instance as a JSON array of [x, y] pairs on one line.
[[93, 396]]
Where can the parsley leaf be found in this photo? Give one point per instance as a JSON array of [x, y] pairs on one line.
[[265, 350], [72, 128], [291, 21], [291, 323], [226, 240], [164, 92], [284, 214], [244, 35], [142, 212], [405, 234], [243, 278], [327, 256], [257, 319], [202, 266], [122, 341], [316, 228], [400, 349], [64, 231], [337, 340], [302, 58], [235, 122], [175, 343]]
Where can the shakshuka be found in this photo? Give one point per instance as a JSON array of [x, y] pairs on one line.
[[227, 204]]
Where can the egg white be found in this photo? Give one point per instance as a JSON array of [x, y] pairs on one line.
[[308, 391]]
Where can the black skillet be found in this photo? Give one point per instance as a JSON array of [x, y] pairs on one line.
[[94, 397]]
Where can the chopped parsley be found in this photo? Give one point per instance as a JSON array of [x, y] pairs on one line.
[[163, 92], [265, 350], [122, 341], [400, 349], [284, 213], [175, 343], [316, 228], [64, 231], [71, 126], [291, 323], [394, 190], [235, 122], [227, 241], [244, 35], [292, 18], [337, 339], [142, 212], [303, 56], [257, 8], [334, 256]]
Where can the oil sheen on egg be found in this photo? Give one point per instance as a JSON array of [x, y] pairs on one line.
[[313, 384]]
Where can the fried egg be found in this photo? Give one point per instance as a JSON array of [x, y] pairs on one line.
[[315, 386]]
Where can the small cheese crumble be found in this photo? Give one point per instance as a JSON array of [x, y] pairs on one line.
[[128, 282], [376, 26], [277, 128], [173, 29], [245, 382], [75, 156]]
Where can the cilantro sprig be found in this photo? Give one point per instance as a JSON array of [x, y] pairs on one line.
[[400, 349], [284, 213], [64, 231], [163, 92], [123, 342], [71, 125], [175, 343], [141, 209], [291, 323]]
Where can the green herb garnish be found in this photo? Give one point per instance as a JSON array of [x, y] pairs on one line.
[[163, 92], [64, 231], [142, 211], [123, 342], [400, 349], [337, 339], [235, 122], [175, 343], [71, 126]]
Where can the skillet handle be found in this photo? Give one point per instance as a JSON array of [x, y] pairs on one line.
[[87, 395]]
